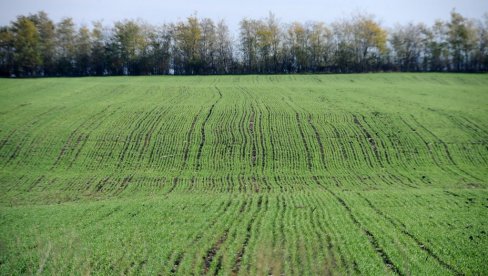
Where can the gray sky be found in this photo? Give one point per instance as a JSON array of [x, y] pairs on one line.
[[389, 12]]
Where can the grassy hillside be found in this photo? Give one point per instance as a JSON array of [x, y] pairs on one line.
[[357, 174]]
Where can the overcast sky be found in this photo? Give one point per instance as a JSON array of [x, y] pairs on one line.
[[389, 12]]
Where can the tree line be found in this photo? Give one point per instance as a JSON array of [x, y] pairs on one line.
[[34, 45]]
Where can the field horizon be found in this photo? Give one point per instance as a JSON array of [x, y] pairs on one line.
[[295, 174]]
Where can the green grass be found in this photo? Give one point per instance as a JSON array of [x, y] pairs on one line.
[[299, 174]]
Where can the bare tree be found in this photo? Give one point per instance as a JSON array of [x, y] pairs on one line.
[[249, 43], [408, 44], [223, 49]]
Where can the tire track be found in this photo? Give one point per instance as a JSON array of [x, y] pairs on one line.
[[83, 138], [253, 140], [181, 255], [271, 141], [240, 254], [370, 139], [446, 149], [186, 149], [128, 143], [74, 139], [319, 141], [402, 227], [427, 145], [24, 139], [208, 258], [371, 238], [324, 227], [305, 144], [202, 130], [261, 138]]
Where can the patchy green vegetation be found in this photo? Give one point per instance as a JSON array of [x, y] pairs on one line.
[[298, 174]]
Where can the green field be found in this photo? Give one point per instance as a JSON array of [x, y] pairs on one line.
[[249, 175]]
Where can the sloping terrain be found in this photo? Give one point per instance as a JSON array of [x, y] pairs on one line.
[[294, 174]]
